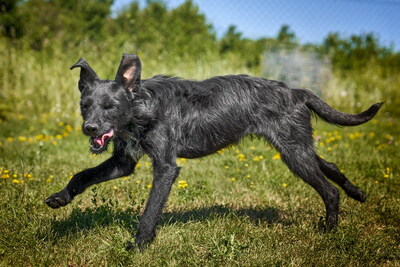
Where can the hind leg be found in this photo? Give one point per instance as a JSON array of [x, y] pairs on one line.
[[302, 162], [332, 172], [292, 137]]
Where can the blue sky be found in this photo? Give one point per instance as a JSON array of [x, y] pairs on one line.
[[311, 20]]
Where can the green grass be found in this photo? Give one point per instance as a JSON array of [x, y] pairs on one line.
[[241, 207]]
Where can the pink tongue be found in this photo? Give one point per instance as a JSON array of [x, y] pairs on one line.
[[104, 137]]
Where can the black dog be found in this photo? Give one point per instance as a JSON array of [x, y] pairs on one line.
[[167, 117]]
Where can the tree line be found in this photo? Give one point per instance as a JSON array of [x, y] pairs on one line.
[[48, 25]]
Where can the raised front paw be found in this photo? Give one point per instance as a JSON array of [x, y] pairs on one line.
[[59, 199]]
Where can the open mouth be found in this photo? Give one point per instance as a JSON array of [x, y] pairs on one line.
[[100, 143]]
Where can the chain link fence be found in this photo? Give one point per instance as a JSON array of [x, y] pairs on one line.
[[299, 69]]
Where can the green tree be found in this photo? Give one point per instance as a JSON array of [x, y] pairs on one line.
[[231, 41], [11, 22], [181, 31], [286, 37], [66, 22], [354, 52], [188, 32]]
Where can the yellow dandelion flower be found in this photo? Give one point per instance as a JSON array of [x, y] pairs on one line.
[[9, 139], [381, 146], [387, 173], [329, 148], [61, 124], [5, 176], [330, 139], [68, 128], [48, 180], [284, 184], [181, 161], [355, 135], [149, 186], [241, 157], [277, 156], [233, 179], [22, 138], [182, 184], [253, 148], [390, 138], [248, 176], [138, 165], [226, 167], [59, 136]]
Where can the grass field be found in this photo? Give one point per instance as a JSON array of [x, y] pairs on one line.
[[240, 207]]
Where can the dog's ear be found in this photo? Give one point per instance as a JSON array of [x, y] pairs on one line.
[[129, 71], [87, 76]]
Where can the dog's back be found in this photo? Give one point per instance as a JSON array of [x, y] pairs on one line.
[[211, 114]]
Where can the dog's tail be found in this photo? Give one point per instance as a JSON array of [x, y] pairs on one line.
[[333, 116]]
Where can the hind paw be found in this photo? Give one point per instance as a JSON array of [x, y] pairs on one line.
[[361, 196], [58, 200], [357, 194]]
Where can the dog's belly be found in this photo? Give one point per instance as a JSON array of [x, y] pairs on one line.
[[199, 146], [191, 153]]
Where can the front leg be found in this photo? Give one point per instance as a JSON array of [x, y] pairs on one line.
[[118, 165], [164, 176]]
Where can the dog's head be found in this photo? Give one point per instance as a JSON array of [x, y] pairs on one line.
[[105, 103]]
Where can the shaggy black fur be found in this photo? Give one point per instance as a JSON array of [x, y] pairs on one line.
[[166, 118]]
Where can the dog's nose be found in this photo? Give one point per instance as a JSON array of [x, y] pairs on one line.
[[91, 129]]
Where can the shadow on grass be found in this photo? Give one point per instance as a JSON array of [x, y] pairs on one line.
[[82, 220]]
